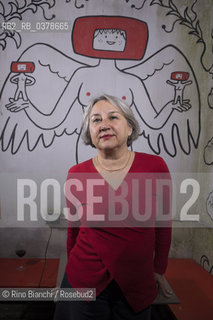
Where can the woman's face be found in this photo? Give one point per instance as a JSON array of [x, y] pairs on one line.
[[108, 127]]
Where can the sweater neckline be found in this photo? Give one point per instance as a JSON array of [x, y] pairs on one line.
[[93, 169]]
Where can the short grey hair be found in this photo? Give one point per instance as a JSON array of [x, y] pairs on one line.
[[122, 106]]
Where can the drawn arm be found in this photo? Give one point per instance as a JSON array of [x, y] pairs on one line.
[[60, 111], [153, 73], [147, 111], [172, 83], [50, 65]]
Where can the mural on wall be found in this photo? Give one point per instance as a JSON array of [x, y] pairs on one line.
[[208, 152], [209, 204], [79, 4], [11, 11], [154, 54], [190, 19], [210, 99], [204, 262], [169, 121]]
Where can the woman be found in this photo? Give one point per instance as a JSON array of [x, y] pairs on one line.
[[122, 262]]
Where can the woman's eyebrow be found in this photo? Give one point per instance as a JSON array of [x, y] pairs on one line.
[[98, 114], [95, 114], [113, 112]]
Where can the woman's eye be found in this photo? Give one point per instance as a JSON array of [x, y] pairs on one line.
[[96, 120], [113, 117]]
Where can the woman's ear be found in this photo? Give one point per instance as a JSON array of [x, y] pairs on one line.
[[130, 132]]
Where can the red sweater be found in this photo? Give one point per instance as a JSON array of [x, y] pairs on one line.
[[130, 255]]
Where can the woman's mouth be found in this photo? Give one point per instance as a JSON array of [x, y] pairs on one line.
[[107, 136]]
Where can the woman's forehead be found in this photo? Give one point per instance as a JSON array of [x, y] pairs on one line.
[[104, 105]]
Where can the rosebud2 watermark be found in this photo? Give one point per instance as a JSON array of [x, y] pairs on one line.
[[141, 199]]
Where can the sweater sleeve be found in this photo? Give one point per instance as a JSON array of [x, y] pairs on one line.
[[72, 234], [72, 227], [163, 229], [162, 246]]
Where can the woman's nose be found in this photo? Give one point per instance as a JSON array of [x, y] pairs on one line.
[[104, 125]]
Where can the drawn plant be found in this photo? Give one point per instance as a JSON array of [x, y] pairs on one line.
[[138, 7], [15, 10], [188, 19], [78, 6]]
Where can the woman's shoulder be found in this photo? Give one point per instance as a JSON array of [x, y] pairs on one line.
[[151, 162], [81, 167], [148, 156]]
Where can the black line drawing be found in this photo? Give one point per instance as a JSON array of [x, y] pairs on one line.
[[133, 84], [205, 260], [22, 79], [136, 6], [79, 4], [190, 20], [209, 205], [15, 10], [208, 153], [179, 82], [210, 99]]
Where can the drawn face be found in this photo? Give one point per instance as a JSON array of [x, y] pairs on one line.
[[108, 127], [109, 39]]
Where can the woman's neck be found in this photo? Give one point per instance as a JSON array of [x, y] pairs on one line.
[[112, 160], [113, 154]]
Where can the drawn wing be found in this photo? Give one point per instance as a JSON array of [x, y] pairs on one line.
[[52, 72], [56, 61], [182, 129]]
